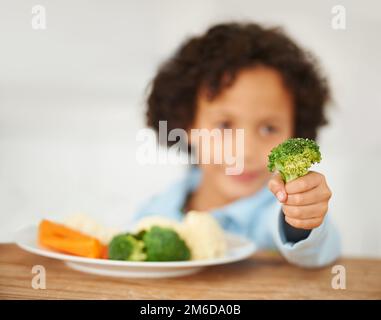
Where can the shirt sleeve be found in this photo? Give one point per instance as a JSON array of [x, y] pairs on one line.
[[291, 233], [321, 246]]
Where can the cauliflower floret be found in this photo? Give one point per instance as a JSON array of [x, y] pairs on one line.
[[201, 232], [203, 235], [87, 225]]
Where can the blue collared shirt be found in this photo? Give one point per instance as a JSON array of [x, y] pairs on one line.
[[258, 217]]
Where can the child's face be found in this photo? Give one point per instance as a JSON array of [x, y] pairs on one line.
[[259, 103]]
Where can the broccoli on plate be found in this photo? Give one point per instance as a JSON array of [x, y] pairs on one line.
[[164, 244], [155, 244], [126, 247]]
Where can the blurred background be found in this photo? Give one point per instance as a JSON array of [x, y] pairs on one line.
[[72, 100]]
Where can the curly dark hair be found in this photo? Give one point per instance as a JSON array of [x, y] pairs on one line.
[[213, 60]]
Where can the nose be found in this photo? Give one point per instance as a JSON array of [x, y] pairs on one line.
[[245, 146]]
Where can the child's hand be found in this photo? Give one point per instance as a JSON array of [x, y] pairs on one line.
[[305, 199]]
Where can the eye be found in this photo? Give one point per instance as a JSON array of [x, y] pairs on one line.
[[224, 124], [266, 130]]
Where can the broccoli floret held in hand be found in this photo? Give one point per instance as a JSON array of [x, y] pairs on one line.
[[126, 247], [294, 157], [164, 244]]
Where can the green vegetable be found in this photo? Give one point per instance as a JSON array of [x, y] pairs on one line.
[[164, 244], [126, 247], [156, 244], [294, 157]]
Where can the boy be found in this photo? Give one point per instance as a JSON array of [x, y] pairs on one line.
[[244, 76]]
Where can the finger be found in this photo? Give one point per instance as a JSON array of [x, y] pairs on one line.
[[318, 194], [305, 183], [304, 224], [276, 186], [305, 212]]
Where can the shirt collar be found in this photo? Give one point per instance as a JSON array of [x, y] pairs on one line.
[[240, 212]]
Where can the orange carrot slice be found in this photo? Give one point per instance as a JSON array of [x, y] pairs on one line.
[[61, 238]]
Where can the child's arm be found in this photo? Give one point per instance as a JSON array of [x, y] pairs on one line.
[[291, 233]]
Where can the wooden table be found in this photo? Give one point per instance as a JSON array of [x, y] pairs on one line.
[[263, 276]]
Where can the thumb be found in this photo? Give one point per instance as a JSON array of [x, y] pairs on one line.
[[276, 186]]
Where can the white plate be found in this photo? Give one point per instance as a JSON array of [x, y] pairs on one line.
[[238, 248]]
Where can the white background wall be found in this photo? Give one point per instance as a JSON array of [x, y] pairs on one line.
[[71, 101]]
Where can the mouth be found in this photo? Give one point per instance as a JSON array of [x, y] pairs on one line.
[[246, 176]]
